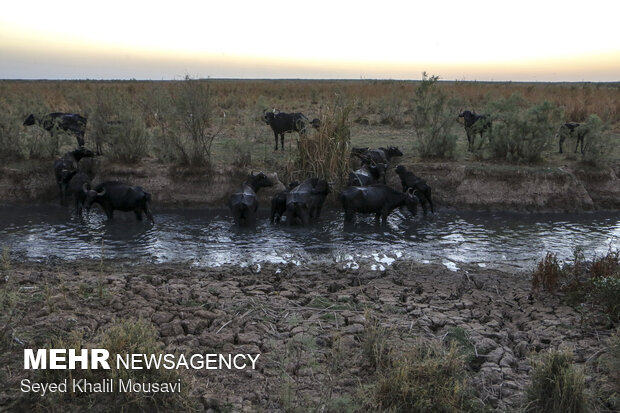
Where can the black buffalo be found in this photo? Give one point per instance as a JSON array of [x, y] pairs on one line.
[[376, 199], [282, 123], [305, 201], [571, 129], [68, 122], [278, 203], [66, 167], [119, 196], [79, 185], [475, 125], [384, 155], [410, 181], [244, 204], [368, 174]]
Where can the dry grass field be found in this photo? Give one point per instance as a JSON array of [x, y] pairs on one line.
[[380, 113]]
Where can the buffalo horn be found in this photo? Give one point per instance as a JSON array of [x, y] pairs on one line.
[[102, 193], [85, 188]]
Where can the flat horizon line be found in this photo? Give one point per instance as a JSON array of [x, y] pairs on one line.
[[244, 79]]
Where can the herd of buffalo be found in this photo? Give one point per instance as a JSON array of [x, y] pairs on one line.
[[300, 204]]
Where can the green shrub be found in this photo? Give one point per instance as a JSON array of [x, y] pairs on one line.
[[557, 386], [433, 118], [598, 144], [521, 133]]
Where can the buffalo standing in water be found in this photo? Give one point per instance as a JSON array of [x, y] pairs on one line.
[[66, 167], [304, 202], [376, 199], [119, 196], [244, 204], [409, 180]]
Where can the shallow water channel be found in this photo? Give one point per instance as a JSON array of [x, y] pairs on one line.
[[206, 237]]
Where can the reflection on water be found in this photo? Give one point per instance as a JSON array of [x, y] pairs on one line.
[[208, 238]]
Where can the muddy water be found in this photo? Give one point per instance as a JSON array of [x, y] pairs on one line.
[[208, 238]]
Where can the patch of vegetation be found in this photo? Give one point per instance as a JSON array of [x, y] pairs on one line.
[[609, 363], [433, 113], [596, 281], [375, 343], [547, 274], [325, 152], [427, 377], [557, 386], [129, 336], [521, 133]]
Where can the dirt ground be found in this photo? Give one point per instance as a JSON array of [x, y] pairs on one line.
[[309, 324]]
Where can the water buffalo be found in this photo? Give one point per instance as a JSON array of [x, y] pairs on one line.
[[244, 204], [68, 122], [379, 155], [79, 185], [475, 124], [278, 203], [282, 123], [571, 129], [368, 174], [304, 202], [378, 199], [119, 196], [409, 180], [66, 167]]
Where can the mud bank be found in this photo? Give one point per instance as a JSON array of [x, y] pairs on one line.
[[308, 323], [475, 186]]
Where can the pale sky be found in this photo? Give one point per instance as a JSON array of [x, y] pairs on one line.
[[522, 40]]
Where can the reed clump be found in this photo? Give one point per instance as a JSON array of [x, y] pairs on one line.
[[325, 152]]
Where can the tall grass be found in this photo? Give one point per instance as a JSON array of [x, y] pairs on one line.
[[428, 377], [557, 386], [325, 152]]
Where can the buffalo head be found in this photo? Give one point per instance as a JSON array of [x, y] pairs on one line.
[[91, 196], [30, 120]]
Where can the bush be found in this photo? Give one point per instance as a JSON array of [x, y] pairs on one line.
[[547, 274], [598, 144], [17, 142], [433, 118], [192, 129], [521, 133], [118, 124], [556, 385]]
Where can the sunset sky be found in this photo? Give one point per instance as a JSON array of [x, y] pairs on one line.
[[482, 40]]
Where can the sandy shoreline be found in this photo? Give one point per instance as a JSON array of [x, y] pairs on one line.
[[301, 319]]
